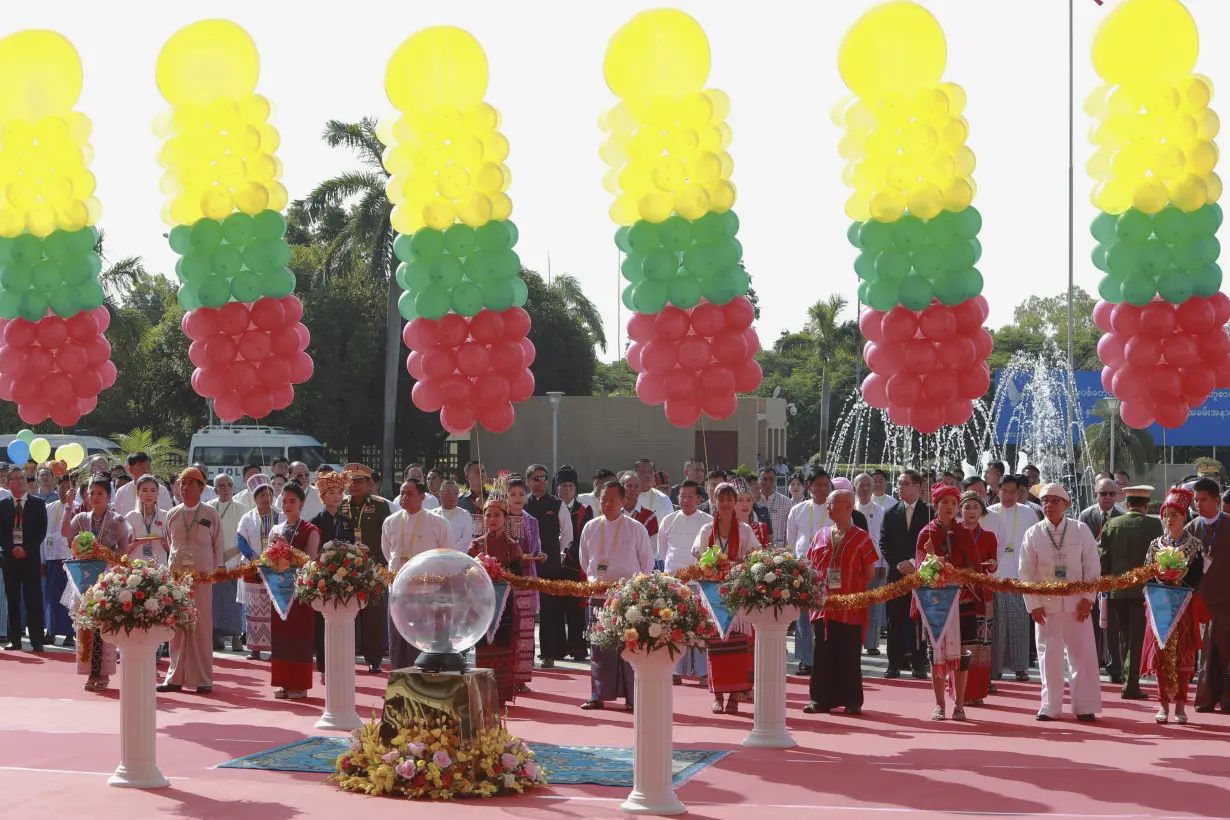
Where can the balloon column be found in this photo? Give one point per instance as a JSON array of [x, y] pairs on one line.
[[467, 332], [224, 204], [914, 226], [1165, 348], [54, 359], [669, 170]]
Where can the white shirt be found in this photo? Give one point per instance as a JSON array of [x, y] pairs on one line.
[[430, 502], [615, 550], [747, 541], [55, 545], [125, 499], [806, 519], [404, 536], [1014, 522], [460, 526], [1078, 555], [5, 493], [661, 505], [875, 519], [229, 513], [157, 529], [588, 500], [885, 501], [208, 495], [676, 536]]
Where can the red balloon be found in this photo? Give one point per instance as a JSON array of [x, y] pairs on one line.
[[927, 417], [958, 412], [753, 340], [730, 348], [1131, 384], [255, 345], [683, 412], [1215, 346], [1108, 374], [282, 396], [108, 374], [1125, 320], [490, 389], [258, 403], [56, 388], [659, 355], [708, 319], [487, 327], [870, 324], [1171, 414], [899, 415], [305, 335], [457, 389], [1180, 348], [20, 333], [920, 357], [196, 355], [717, 380], [426, 395], [473, 359], [194, 380], [273, 371], [739, 314], [671, 323], [268, 314], [984, 345], [13, 360], [1135, 414], [720, 406], [651, 388], [439, 362], [1101, 316], [507, 356], [285, 344], [52, 332], [640, 327], [940, 385], [28, 391], [291, 307], [956, 353], [497, 417], [301, 368], [531, 352], [39, 361], [1221, 372], [66, 414], [633, 355], [6, 388], [86, 406], [34, 412], [520, 385], [1196, 315], [1110, 350], [220, 351], [694, 352], [1157, 319], [419, 334], [229, 407], [973, 382], [874, 391], [212, 382], [885, 359], [904, 389], [682, 384], [969, 317], [984, 307], [900, 324], [748, 375], [451, 330], [1198, 381], [458, 418], [1165, 381], [102, 316], [233, 318], [516, 323], [1221, 308], [1142, 350], [937, 323], [243, 376]]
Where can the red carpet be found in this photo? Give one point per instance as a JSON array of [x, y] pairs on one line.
[[59, 744]]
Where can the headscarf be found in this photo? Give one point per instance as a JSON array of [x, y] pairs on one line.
[[194, 474], [255, 481], [1179, 498], [330, 481], [740, 484], [842, 484], [972, 495], [939, 491]]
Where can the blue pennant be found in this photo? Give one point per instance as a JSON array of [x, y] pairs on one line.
[[501, 600], [281, 586], [1165, 605], [720, 615], [938, 605], [83, 574]]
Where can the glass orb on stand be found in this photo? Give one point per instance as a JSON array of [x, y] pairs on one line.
[[442, 603]]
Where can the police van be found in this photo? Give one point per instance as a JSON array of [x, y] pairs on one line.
[[228, 448]]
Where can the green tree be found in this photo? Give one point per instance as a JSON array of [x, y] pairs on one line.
[[830, 338], [574, 298], [1040, 320], [165, 457], [1134, 449], [614, 379], [564, 358]]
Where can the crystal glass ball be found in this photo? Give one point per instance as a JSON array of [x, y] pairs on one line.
[[442, 601]]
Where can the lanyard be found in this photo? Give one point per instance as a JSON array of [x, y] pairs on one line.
[[605, 549], [96, 531], [189, 527], [448, 514], [223, 510], [1062, 535], [1208, 535], [811, 521], [358, 527], [838, 543], [149, 522], [414, 532], [289, 535]]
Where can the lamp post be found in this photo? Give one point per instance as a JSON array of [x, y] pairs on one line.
[[554, 396]]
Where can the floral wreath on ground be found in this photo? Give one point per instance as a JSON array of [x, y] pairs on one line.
[[652, 612], [431, 759], [770, 579], [341, 572], [136, 594]]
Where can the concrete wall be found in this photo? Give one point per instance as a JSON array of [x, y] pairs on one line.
[[613, 432]]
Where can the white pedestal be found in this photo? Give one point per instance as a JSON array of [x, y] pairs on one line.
[[339, 713], [138, 767], [769, 727], [652, 789]]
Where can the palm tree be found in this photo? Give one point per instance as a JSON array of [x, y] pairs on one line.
[[165, 458], [570, 290], [365, 237], [830, 338], [1134, 449]]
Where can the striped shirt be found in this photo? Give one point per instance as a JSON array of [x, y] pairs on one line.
[[842, 569]]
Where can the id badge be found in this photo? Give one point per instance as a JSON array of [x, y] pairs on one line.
[[1061, 572], [1009, 549], [603, 566], [17, 538], [834, 579], [148, 550]]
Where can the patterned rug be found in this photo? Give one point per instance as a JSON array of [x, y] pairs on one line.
[[565, 765]]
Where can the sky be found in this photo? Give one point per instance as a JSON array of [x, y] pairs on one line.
[[776, 59]]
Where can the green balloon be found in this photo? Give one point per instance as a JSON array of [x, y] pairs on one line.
[[1154, 258], [418, 276], [863, 287], [726, 252], [852, 235], [459, 240], [865, 266], [186, 297], [206, 234], [33, 306], [971, 281], [708, 229], [915, 292], [402, 248], [25, 435], [661, 265], [959, 255], [950, 290], [277, 284], [405, 306], [432, 303], [507, 264], [675, 234], [1207, 251], [481, 267], [6, 250], [1110, 288], [621, 239], [1175, 286], [942, 228], [266, 254], [643, 237], [1123, 259], [893, 265], [1134, 226], [909, 232], [58, 246], [1103, 228], [46, 278], [881, 294], [875, 236], [194, 267], [969, 222], [427, 244], [63, 303], [684, 291], [626, 297], [649, 296], [180, 239], [246, 287], [1138, 289], [400, 276], [725, 285], [89, 297], [238, 229], [631, 268], [26, 250], [10, 306], [214, 291], [268, 225], [1206, 281], [446, 272], [226, 260], [85, 240], [467, 299], [730, 224], [701, 261], [93, 263], [77, 270], [521, 293], [16, 278], [494, 236], [1171, 225], [1099, 257], [929, 261], [498, 294]]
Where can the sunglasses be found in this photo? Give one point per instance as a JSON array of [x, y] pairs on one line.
[[538, 478], [1110, 494]]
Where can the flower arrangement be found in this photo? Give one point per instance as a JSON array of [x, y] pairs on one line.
[[714, 564], [491, 564], [770, 579], [931, 569], [342, 571], [431, 759], [85, 546], [136, 595], [652, 612], [1171, 559], [279, 556]]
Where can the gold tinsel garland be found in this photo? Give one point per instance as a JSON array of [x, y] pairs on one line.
[[248, 569]]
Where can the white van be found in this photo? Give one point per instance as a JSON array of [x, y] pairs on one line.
[[229, 448], [93, 444]]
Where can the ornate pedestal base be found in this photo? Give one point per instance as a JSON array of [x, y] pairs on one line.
[[339, 714], [467, 697], [653, 791], [138, 767], [769, 727]]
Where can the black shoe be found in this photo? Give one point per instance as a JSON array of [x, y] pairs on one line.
[[853, 710], [1204, 709], [68, 643], [11, 645], [1086, 718], [804, 669], [38, 648], [48, 638], [1045, 718], [892, 672], [920, 674], [168, 687], [873, 652], [374, 668], [547, 663], [204, 690], [1117, 679], [254, 655], [1137, 695], [581, 658], [813, 708]]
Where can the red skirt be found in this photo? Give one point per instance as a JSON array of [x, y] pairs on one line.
[[292, 662]]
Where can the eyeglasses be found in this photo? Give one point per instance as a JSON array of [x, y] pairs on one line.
[[538, 478], [1108, 494]]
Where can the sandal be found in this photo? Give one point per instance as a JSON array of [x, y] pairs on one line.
[[958, 713], [938, 714], [1163, 716], [593, 704], [1180, 717], [296, 694], [280, 694], [717, 708]]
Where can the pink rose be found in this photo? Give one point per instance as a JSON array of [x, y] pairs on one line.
[[508, 761], [442, 760]]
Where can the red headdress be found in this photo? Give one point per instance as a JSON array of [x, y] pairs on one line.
[[939, 491], [1178, 498]]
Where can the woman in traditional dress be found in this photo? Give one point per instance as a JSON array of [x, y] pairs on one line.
[[293, 636], [254, 530], [1176, 664], [524, 530], [95, 656], [730, 659], [948, 539], [148, 523], [500, 653], [978, 645], [334, 525], [745, 512]]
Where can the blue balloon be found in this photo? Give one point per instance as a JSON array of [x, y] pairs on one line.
[[19, 451]]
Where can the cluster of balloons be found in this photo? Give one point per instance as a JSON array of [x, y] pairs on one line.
[[1154, 129], [55, 367], [45, 152], [240, 258], [218, 148], [667, 138], [58, 272], [695, 361], [904, 142], [471, 370], [679, 261], [462, 269], [912, 260], [248, 358], [1163, 360], [26, 446], [1171, 254], [928, 367]]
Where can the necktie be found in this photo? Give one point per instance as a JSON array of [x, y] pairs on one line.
[[17, 517], [1102, 528], [909, 515]]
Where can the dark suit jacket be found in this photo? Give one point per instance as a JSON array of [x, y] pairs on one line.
[[896, 542], [33, 527], [1125, 542], [1091, 517]]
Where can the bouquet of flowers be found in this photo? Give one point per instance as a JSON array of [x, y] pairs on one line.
[[342, 571], [279, 556], [491, 564], [770, 578], [1171, 559], [136, 595], [84, 546], [931, 569], [714, 565], [652, 612], [429, 758]]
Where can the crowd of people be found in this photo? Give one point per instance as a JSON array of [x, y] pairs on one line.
[[857, 533]]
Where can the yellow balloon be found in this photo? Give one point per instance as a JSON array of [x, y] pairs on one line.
[[1214, 188], [222, 114], [856, 207], [243, 140], [72, 216], [1208, 124], [1144, 42], [495, 147], [659, 52], [439, 213], [270, 139], [442, 65], [692, 201], [501, 206], [1189, 193], [254, 109], [12, 223], [958, 195], [722, 196], [623, 210], [279, 197], [656, 206], [40, 448], [74, 455], [475, 210], [886, 205], [896, 47], [41, 220], [1150, 196], [207, 60], [42, 75], [1202, 158], [217, 202], [925, 201]]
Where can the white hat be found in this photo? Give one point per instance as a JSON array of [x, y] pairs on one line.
[[1057, 490]]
